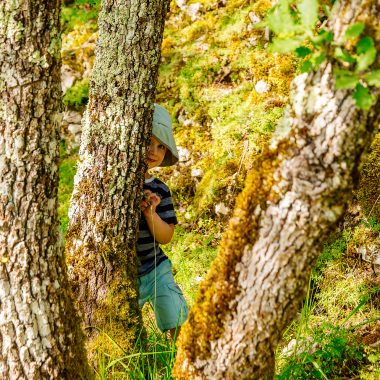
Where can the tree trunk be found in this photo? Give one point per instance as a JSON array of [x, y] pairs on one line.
[[292, 199], [105, 205], [40, 336]]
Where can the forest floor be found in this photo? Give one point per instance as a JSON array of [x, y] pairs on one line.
[[226, 92], [336, 334]]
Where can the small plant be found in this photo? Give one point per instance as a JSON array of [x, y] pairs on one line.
[[77, 96], [372, 223], [330, 353], [151, 359], [77, 13], [294, 25], [67, 172]]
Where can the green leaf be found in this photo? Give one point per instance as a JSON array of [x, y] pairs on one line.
[[303, 51], [364, 45], [345, 79], [327, 10], [354, 31], [286, 45], [306, 67], [366, 53], [318, 59], [363, 98], [365, 60], [373, 78], [323, 37], [308, 12], [280, 20], [342, 55]]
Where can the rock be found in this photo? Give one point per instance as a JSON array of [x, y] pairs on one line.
[[72, 117], [221, 209], [68, 77], [201, 45], [371, 252], [181, 4], [254, 18], [72, 129], [261, 87], [198, 279], [193, 10], [187, 122], [289, 349], [75, 129], [184, 154], [196, 173]]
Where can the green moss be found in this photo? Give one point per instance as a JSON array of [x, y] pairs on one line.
[[212, 188], [110, 306], [67, 172], [368, 194], [220, 287], [118, 315], [77, 96], [80, 13]]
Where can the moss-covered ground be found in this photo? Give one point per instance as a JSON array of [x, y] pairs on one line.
[[209, 75]]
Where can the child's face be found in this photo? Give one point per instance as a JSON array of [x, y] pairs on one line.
[[156, 153]]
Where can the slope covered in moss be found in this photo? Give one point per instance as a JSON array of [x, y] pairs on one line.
[[226, 91]]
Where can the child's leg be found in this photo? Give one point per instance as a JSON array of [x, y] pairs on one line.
[[169, 305], [144, 289]]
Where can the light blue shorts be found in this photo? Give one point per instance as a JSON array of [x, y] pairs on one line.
[[166, 298]]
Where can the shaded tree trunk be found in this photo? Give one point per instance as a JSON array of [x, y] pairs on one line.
[[40, 336], [293, 198], [105, 205]]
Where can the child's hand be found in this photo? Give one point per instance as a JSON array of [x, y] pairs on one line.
[[149, 202]]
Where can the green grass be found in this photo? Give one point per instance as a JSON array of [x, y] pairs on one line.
[[67, 172], [78, 14], [151, 359], [325, 342], [330, 352], [191, 253], [77, 95]]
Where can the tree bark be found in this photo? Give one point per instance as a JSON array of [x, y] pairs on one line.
[[40, 336], [292, 200], [105, 205]]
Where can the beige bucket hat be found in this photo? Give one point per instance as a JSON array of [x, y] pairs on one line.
[[163, 131]]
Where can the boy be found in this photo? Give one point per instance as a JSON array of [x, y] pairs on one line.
[[156, 282]]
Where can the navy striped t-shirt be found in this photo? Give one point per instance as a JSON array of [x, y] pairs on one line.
[[149, 252]]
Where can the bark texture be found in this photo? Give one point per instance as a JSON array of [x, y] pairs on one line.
[[293, 198], [40, 335], [105, 205]]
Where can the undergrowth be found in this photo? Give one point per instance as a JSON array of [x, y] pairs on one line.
[[76, 97], [67, 172], [209, 70], [151, 359], [327, 340]]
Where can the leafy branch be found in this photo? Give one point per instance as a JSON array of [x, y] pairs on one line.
[[294, 26]]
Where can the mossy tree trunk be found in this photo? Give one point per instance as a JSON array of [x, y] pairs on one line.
[[40, 336], [293, 198], [105, 205]]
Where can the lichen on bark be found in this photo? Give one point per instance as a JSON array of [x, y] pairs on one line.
[[40, 335], [105, 205], [368, 193]]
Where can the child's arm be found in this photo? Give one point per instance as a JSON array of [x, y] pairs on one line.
[[162, 231]]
